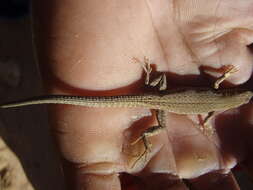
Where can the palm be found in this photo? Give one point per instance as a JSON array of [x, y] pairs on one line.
[[179, 39]]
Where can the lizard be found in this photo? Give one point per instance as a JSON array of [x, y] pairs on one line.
[[182, 101]]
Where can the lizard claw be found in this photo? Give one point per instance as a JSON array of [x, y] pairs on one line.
[[146, 67]]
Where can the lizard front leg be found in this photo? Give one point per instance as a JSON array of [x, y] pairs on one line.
[[230, 70], [155, 130]]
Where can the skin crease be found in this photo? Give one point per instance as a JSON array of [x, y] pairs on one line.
[[86, 48]]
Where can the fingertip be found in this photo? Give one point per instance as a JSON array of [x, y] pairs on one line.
[[76, 180], [97, 182], [215, 181]]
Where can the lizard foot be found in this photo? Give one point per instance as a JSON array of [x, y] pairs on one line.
[[146, 65], [147, 148], [161, 80]]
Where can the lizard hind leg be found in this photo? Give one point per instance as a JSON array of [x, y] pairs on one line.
[[155, 130], [147, 148]]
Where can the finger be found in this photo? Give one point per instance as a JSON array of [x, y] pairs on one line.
[[194, 152], [164, 182], [99, 182], [92, 148], [164, 160], [247, 164], [221, 37], [235, 132], [215, 181], [153, 181], [88, 141]]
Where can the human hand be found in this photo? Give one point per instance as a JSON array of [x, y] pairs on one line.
[[85, 47]]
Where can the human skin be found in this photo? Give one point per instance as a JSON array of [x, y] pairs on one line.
[[86, 48]]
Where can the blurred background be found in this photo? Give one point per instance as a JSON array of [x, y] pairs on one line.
[[27, 154], [28, 159]]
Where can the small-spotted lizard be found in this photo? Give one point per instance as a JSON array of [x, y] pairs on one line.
[[182, 101]]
